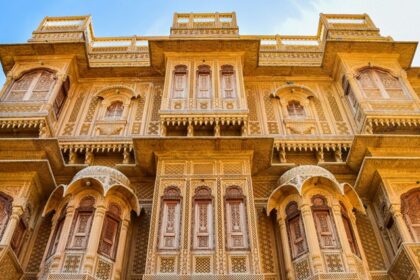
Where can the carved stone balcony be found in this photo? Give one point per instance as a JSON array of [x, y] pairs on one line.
[[111, 51], [204, 25], [10, 268], [280, 50], [406, 264]]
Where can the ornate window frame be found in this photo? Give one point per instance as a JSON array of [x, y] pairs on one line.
[[348, 228], [202, 197], [112, 215], [234, 197], [171, 197], [319, 209], [227, 71], [32, 84], [204, 73], [179, 78], [292, 214], [86, 207]]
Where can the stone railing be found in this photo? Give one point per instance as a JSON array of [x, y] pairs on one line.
[[274, 50], [204, 24], [406, 264]]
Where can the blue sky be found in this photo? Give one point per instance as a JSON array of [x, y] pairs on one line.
[[153, 17]]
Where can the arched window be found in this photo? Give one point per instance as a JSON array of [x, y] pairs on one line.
[[228, 81], [203, 218], [110, 232], [170, 218], [203, 81], [57, 232], [5, 211], [180, 82], [324, 223], [236, 220], [115, 110], [35, 85], [410, 203], [82, 223], [351, 238], [295, 109], [378, 84], [295, 230]]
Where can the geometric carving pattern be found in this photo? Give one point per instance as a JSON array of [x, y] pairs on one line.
[[302, 269], [202, 265], [232, 168], [167, 265], [403, 268], [334, 262], [103, 270], [238, 264], [40, 245], [265, 241], [72, 263], [140, 243], [369, 243], [174, 169]]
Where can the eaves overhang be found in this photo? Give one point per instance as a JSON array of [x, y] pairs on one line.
[[368, 178]]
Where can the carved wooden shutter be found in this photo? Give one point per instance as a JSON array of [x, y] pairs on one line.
[[180, 82], [236, 224], [170, 225], [82, 229], [228, 81], [203, 224], [350, 235], [109, 236], [44, 84], [204, 82], [391, 85], [324, 226], [297, 236], [59, 101]]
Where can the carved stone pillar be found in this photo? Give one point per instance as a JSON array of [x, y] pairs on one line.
[[95, 233], [342, 235], [395, 210], [59, 253], [313, 244], [121, 249], [17, 211], [286, 249]]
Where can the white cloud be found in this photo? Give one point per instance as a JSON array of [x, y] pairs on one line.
[[398, 19]]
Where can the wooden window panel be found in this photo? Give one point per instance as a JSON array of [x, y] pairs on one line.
[[81, 229], [109, 236]]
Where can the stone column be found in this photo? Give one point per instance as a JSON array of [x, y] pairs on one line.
[[65, 231], [286, 249], [121, 249], [312, 238], [395, 210], [94, 237], [342, 235], [17, 211]]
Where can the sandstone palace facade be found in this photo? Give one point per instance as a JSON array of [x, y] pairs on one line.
[[207, 154]]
